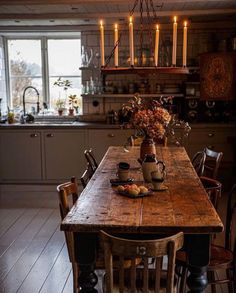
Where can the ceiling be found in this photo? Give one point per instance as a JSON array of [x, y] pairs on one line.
[[17, 13]]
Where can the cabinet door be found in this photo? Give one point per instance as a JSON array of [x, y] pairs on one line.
[[64, 154], [100, 139], [20, 156]]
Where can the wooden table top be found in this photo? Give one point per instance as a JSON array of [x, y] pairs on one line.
[[183, 207]]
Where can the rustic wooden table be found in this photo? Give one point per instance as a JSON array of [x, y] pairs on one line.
[[183, 207]]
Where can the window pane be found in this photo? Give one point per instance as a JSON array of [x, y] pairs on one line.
[[25, 70], [64, 61]]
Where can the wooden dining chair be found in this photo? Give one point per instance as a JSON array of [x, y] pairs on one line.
[[91, 160], [198, 162], [212, 163], [68, 194], [86, 176], [141, 277], [222, 258]]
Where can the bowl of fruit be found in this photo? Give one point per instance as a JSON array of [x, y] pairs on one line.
[[133, 190]]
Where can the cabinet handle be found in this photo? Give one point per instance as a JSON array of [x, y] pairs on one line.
[[211, 147], [33, 135], [50, 135], [211, 134], [111, 135]]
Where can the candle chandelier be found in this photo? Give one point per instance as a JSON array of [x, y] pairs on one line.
[[148, 33]]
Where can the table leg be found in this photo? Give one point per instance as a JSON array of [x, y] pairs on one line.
[[198, 247], [85, 247]]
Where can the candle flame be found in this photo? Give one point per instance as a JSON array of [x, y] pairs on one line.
[[185, 24], [157, 26], [130, 19], [175, 19], [116, 26], [101, 22]]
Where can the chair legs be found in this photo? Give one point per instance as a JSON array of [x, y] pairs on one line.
[[211, 279]]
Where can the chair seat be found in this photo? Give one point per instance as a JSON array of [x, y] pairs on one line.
[[220, 258], [139, 281]]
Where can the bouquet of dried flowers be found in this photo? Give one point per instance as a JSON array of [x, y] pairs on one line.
[[148, 117]]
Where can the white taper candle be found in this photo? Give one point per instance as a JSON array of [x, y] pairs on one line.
[[116, 53], [174, 41], [156, 45], [102, 47], [185, 44], [131, 41]]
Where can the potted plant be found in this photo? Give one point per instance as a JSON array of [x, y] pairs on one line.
[[60, 106], [73, 104]]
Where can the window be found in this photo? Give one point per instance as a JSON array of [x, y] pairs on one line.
[[39, 63], [25, 69]]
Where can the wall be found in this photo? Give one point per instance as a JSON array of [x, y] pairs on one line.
[[201, 38]]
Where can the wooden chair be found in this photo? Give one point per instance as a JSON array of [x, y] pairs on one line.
[[198, 162], [213, 188], [140, 277], [68, 194], [91, 159], [222, 257], [86, 176], [212, 163]]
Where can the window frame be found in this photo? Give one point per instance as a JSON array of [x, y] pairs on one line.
[[44, 58]]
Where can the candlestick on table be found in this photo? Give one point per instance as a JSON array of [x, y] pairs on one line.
[[156, 46], [131, 41], [174, 41], [102, 47], [116, 53], [185, 44]]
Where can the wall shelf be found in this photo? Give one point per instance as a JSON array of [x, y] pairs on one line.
[[144, 70], [106, 95]]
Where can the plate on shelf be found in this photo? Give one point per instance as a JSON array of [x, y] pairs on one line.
[[116, 182]]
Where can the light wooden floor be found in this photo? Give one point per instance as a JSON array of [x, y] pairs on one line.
[[33, 254]]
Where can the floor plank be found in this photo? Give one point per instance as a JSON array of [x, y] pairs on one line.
[[38, 274], [28, 259]]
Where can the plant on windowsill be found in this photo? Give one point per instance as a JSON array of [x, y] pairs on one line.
[[60, 104], [64, 84], [74, 104]]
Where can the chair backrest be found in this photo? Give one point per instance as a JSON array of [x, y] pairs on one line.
[[68, 194], [91, 159], [66, 191], [212, 163], [86, 176], [230, 226], [198, 162], [213, 188], [132, 249]]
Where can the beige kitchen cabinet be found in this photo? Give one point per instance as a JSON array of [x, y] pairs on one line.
[[63, 154], [100, 139], [20, 156]]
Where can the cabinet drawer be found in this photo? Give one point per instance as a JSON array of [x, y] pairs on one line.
[[208, 137]]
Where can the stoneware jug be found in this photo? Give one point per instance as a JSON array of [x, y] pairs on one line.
[[149, 165]]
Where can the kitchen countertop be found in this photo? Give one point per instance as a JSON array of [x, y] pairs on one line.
[[64, 125], [97, 125]]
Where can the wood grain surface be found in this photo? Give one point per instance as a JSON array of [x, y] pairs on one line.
[[183, 207]]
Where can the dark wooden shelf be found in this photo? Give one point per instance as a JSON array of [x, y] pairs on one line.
[[145, 70]]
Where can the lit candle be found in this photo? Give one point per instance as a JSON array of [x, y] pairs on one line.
[[156, 46], [185, 44], [174, 42], [102, 44], [131, 41], [116, 56]]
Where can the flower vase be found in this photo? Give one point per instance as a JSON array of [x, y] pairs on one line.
[[147, 147]]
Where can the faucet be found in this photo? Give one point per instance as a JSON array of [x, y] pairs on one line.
[[30, 87]]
